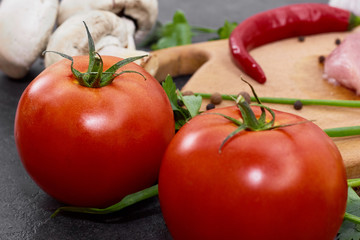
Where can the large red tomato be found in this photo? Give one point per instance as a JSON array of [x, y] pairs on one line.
[[285, 183], [92, 146]]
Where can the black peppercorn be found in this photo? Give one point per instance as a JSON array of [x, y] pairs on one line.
[[298, 105], [321, 59], [210, 106]]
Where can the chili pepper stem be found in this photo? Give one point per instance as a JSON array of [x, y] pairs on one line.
[[354, 21]]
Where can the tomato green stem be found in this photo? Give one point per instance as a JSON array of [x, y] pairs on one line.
[[125, 202], [95, 77], [249, 120]]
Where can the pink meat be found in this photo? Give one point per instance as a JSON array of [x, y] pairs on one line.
[[342, 66]]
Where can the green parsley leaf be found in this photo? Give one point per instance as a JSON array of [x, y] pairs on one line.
[[181, 114], [192, 103], [170, 90], [178, 32], [350, 230], [225, 31]]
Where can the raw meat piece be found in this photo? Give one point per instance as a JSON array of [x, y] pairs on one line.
[[342, 66]]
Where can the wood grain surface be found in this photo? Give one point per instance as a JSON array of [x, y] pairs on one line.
[[292, 71]]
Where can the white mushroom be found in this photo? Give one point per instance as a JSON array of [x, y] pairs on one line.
[[25, 27], [143, 12], [107, 30], [112, 35]]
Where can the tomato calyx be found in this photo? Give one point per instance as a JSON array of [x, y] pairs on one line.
[[249, 122], [95, 77]]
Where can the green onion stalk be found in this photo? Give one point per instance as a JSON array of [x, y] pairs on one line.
[[332, 132]]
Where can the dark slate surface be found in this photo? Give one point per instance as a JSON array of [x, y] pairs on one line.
[[25, 209]]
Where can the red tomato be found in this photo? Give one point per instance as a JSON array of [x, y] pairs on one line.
[[92, 146], [285, 183]]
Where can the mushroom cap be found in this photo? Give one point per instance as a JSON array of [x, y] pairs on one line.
[[25, 27], [106, 29], [143, 12]]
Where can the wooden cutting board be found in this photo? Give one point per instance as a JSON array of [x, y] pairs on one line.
[[292, 70]]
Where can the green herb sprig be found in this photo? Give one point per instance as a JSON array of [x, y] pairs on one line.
[[192, 103], [350, 228], [180, 32]]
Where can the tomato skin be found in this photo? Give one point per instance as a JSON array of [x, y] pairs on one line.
[[286, 183], [92, 146]]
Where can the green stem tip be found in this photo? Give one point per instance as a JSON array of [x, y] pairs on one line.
[[125, 202], [354, 21]]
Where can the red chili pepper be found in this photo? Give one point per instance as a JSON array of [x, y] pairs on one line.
[[285, 22]]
